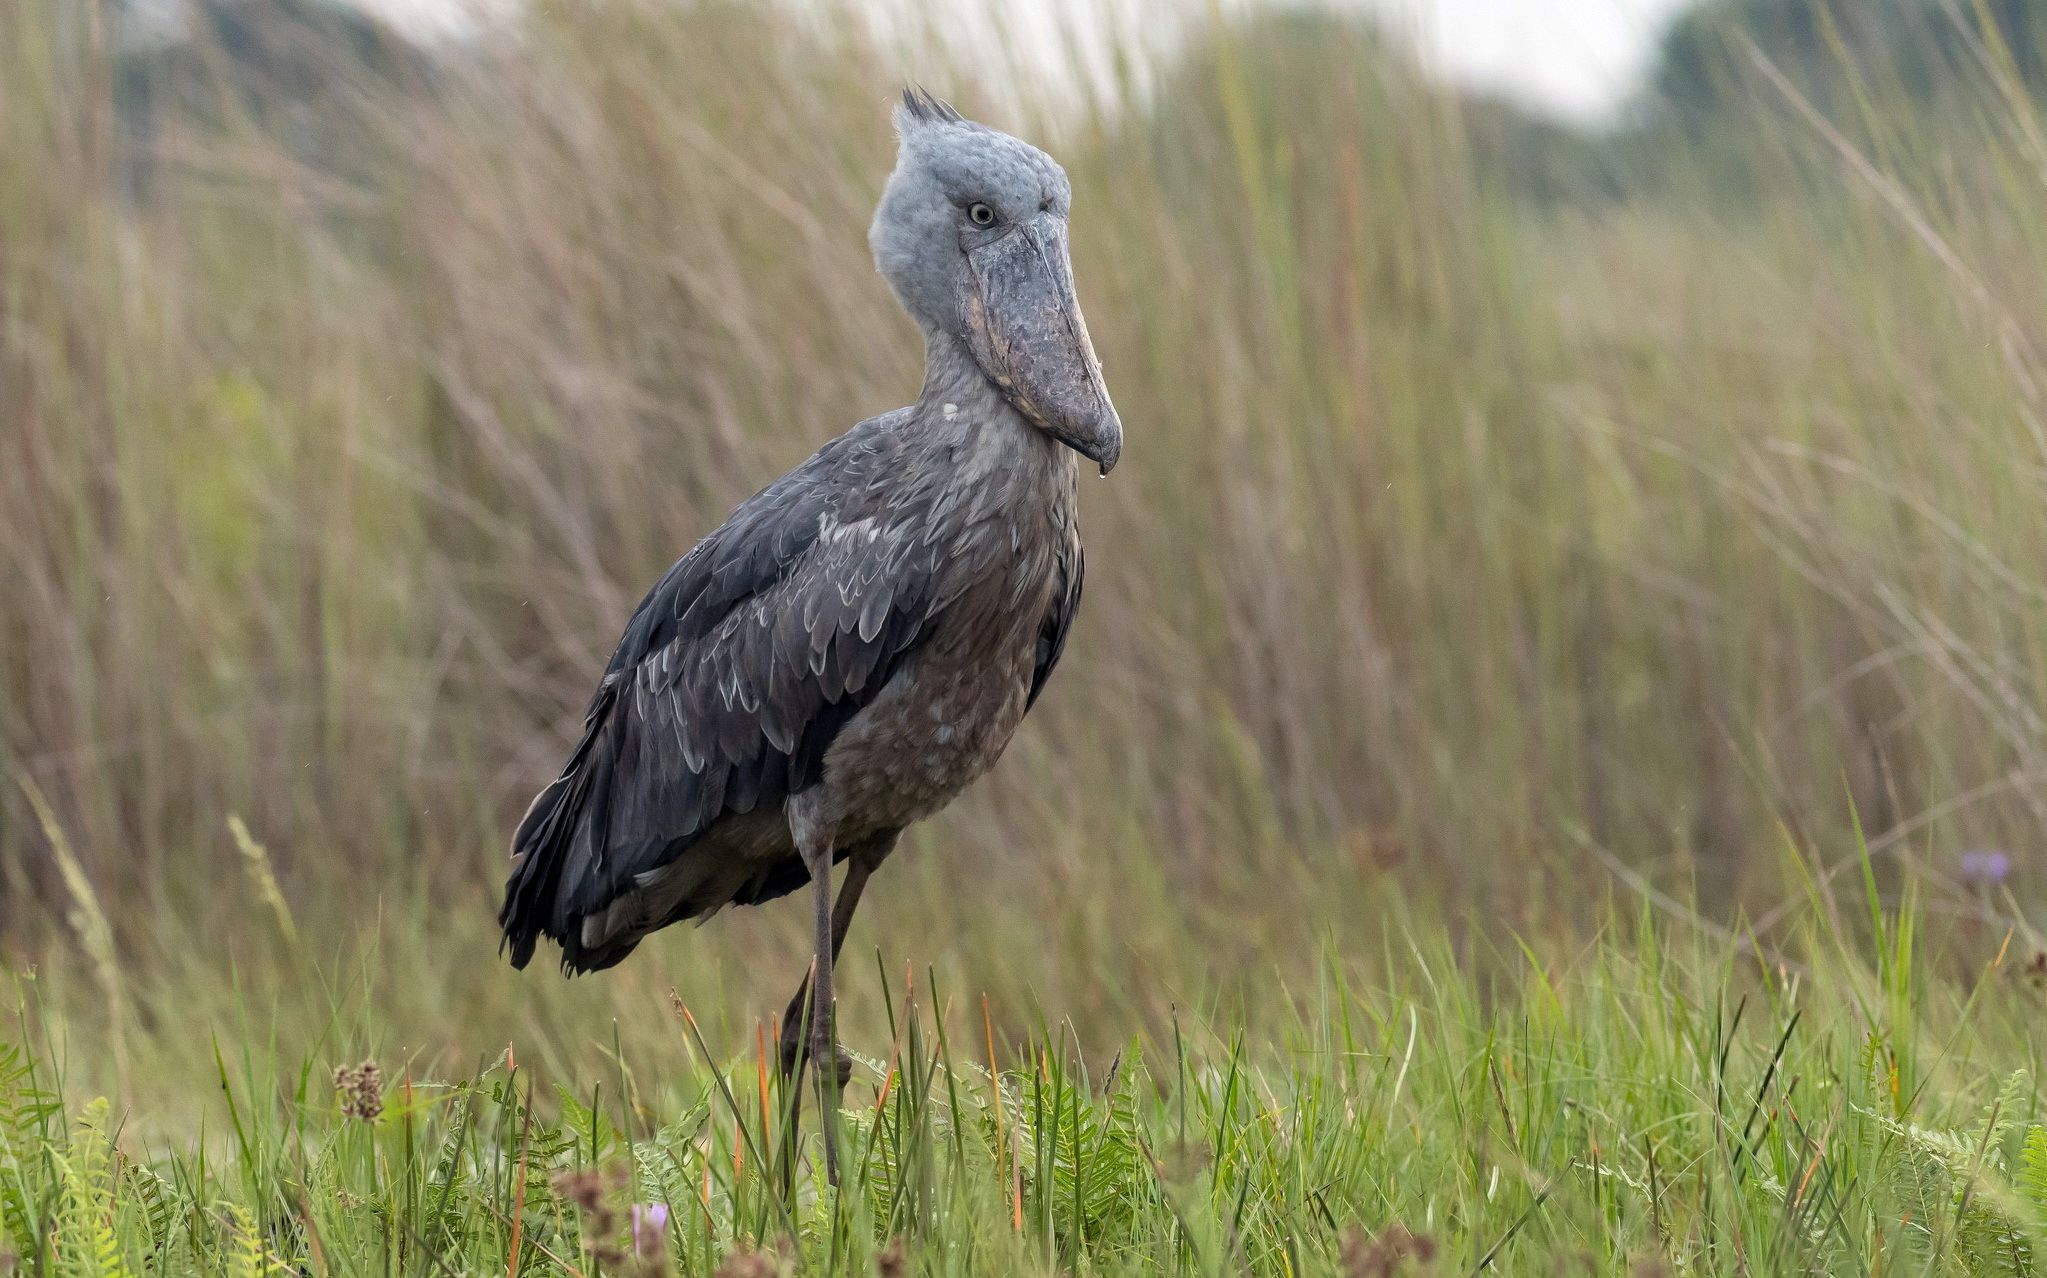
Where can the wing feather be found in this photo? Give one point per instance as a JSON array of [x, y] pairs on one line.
[[1058, 619], [730, 683]]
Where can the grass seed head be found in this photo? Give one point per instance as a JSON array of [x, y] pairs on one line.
[[745, 1262], [890, 1262], [1386, 1255], [361, 1088], [594, 1193]]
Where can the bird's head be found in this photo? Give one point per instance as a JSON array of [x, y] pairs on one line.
[[971, 234]]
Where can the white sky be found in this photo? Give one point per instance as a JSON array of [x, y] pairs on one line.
[[1578, 58]]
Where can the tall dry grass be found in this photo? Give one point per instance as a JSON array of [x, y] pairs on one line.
[[1462, 550]]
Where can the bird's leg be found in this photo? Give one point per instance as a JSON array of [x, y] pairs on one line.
[[814, 838], [823, 1038], [861, 861]]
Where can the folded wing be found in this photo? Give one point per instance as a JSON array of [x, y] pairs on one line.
[[733, 678]]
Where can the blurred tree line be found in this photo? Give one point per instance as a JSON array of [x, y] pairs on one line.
[[311, 75], [1835, 52], [300, 71], [1698, 123]]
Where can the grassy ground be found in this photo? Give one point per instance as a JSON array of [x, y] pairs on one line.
[[1653, 1101], [1483, 572]]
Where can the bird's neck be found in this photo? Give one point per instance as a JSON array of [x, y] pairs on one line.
[[953, 381], [997, 455]]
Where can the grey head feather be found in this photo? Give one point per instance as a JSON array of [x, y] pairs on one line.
[[945, 164], [920, 106]]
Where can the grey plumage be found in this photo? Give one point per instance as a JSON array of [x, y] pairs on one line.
[[926, 109], [860, 639]]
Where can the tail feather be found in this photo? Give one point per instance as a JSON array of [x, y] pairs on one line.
[[539, 853], [545, 851]]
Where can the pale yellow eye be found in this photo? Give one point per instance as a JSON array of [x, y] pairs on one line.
[[980, 215]]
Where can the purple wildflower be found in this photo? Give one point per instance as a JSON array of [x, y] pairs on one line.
[[1985, 867], [650, 1227]]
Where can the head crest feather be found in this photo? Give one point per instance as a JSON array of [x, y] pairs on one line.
[[921, 107]]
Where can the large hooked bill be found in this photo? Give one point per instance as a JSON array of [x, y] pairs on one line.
[[1035, 343]]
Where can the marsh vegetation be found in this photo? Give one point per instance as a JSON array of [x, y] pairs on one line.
[[1550, 770]]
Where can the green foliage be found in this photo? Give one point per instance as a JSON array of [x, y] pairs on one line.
[[1595, 1105], [2033, 1169]]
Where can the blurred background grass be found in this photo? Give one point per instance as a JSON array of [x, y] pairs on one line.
[[1514, 515]]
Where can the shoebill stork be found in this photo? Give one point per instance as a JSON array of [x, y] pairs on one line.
[[861, 638]]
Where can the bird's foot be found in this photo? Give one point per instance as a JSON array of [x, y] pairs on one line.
[[793, 1054]]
